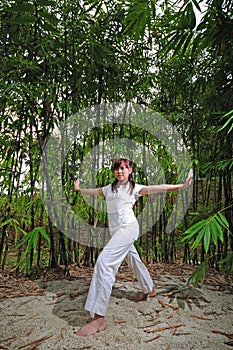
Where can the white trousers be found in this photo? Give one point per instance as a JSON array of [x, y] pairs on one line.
[[119, 247]]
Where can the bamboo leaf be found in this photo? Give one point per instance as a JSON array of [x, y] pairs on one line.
[[25, 19], [187, 42], [191, 231], [202, 272], [198, 275], [20, 8], [222, 220], [35, 235], [196, 4], [44, 234], [29, 243], [213, 230], [190, 14], [199, 237], [46, 2], [206, 238], [96, 5], [48, 16], [227, 264], [10, 222], [22, 241], [229, 121], [218, 229], [32, 238]]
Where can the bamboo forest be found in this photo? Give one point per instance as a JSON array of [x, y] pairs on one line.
[[61, 58]]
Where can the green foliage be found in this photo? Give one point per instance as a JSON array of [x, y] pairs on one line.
[[155, 54], [152, 254], [15, 225], [139, 247], [220, 165], [199, 274], [139, 18], [31, 241], [228, 122], [226, 264], [207, 231]]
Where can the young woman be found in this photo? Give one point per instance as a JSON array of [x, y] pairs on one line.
[[120, 197]]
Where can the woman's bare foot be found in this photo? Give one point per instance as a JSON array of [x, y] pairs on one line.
[[93, 327], [143, 296]]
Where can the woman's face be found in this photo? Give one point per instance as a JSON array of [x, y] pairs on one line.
[[122, 173]]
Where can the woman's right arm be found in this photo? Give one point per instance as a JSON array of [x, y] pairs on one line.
[[88, 191]]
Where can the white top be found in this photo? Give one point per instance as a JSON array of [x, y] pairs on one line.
[[120, 203]]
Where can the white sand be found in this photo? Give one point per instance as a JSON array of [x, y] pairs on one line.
[[48, 321]]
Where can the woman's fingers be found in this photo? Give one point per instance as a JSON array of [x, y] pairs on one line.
[[190, 177], [76, 184]]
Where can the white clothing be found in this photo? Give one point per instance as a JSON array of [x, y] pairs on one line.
[[120, 204], [124, 229]]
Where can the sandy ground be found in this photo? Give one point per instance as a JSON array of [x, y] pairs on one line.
[[179, 317]]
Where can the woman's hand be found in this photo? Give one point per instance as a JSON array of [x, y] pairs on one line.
[[189, 179], [77, 185], [88, 191]]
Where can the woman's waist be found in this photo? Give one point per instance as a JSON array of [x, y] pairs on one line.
[[119, 207], [119, 220]]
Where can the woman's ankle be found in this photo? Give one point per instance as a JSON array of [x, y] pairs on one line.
[[97, 317]]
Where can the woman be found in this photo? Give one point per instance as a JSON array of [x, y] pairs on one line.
[[120, 197]]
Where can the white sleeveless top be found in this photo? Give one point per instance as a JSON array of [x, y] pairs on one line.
[[120, 203]]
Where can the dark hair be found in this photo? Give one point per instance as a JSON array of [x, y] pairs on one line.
[[116, 165]]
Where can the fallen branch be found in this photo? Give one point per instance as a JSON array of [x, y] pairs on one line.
[[201, 318], [157, 336], [120, 321], [9, 340], [164, 328], [150, 325], [229, 342], [35, 342], [168, 305], [181, 333], [229, 336]]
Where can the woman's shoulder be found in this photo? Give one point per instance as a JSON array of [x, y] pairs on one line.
[[106, 188], [138, 186]]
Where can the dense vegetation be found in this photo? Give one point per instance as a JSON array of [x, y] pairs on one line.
[[58, 58]]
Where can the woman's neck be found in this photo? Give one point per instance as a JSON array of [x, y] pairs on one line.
[[122, 182]]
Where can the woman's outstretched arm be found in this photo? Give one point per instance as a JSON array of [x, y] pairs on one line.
[[153, 189], [88, 191]]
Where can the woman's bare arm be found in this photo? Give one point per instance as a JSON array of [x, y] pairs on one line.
[[88, 191], [153, 189]]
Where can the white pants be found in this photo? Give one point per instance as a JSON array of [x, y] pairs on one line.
[[120, 246]]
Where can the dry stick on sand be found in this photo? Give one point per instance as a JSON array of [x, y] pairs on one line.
[[120, 321], [2, 347], [157, 336], [168, 305], [150, 325], [201, 317], [8, 341], [35, 342], [163, 328], [229, 336]]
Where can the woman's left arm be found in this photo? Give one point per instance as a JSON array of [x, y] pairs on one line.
[[153, 189]]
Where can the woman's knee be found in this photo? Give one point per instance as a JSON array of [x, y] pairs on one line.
[[101, 263]]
